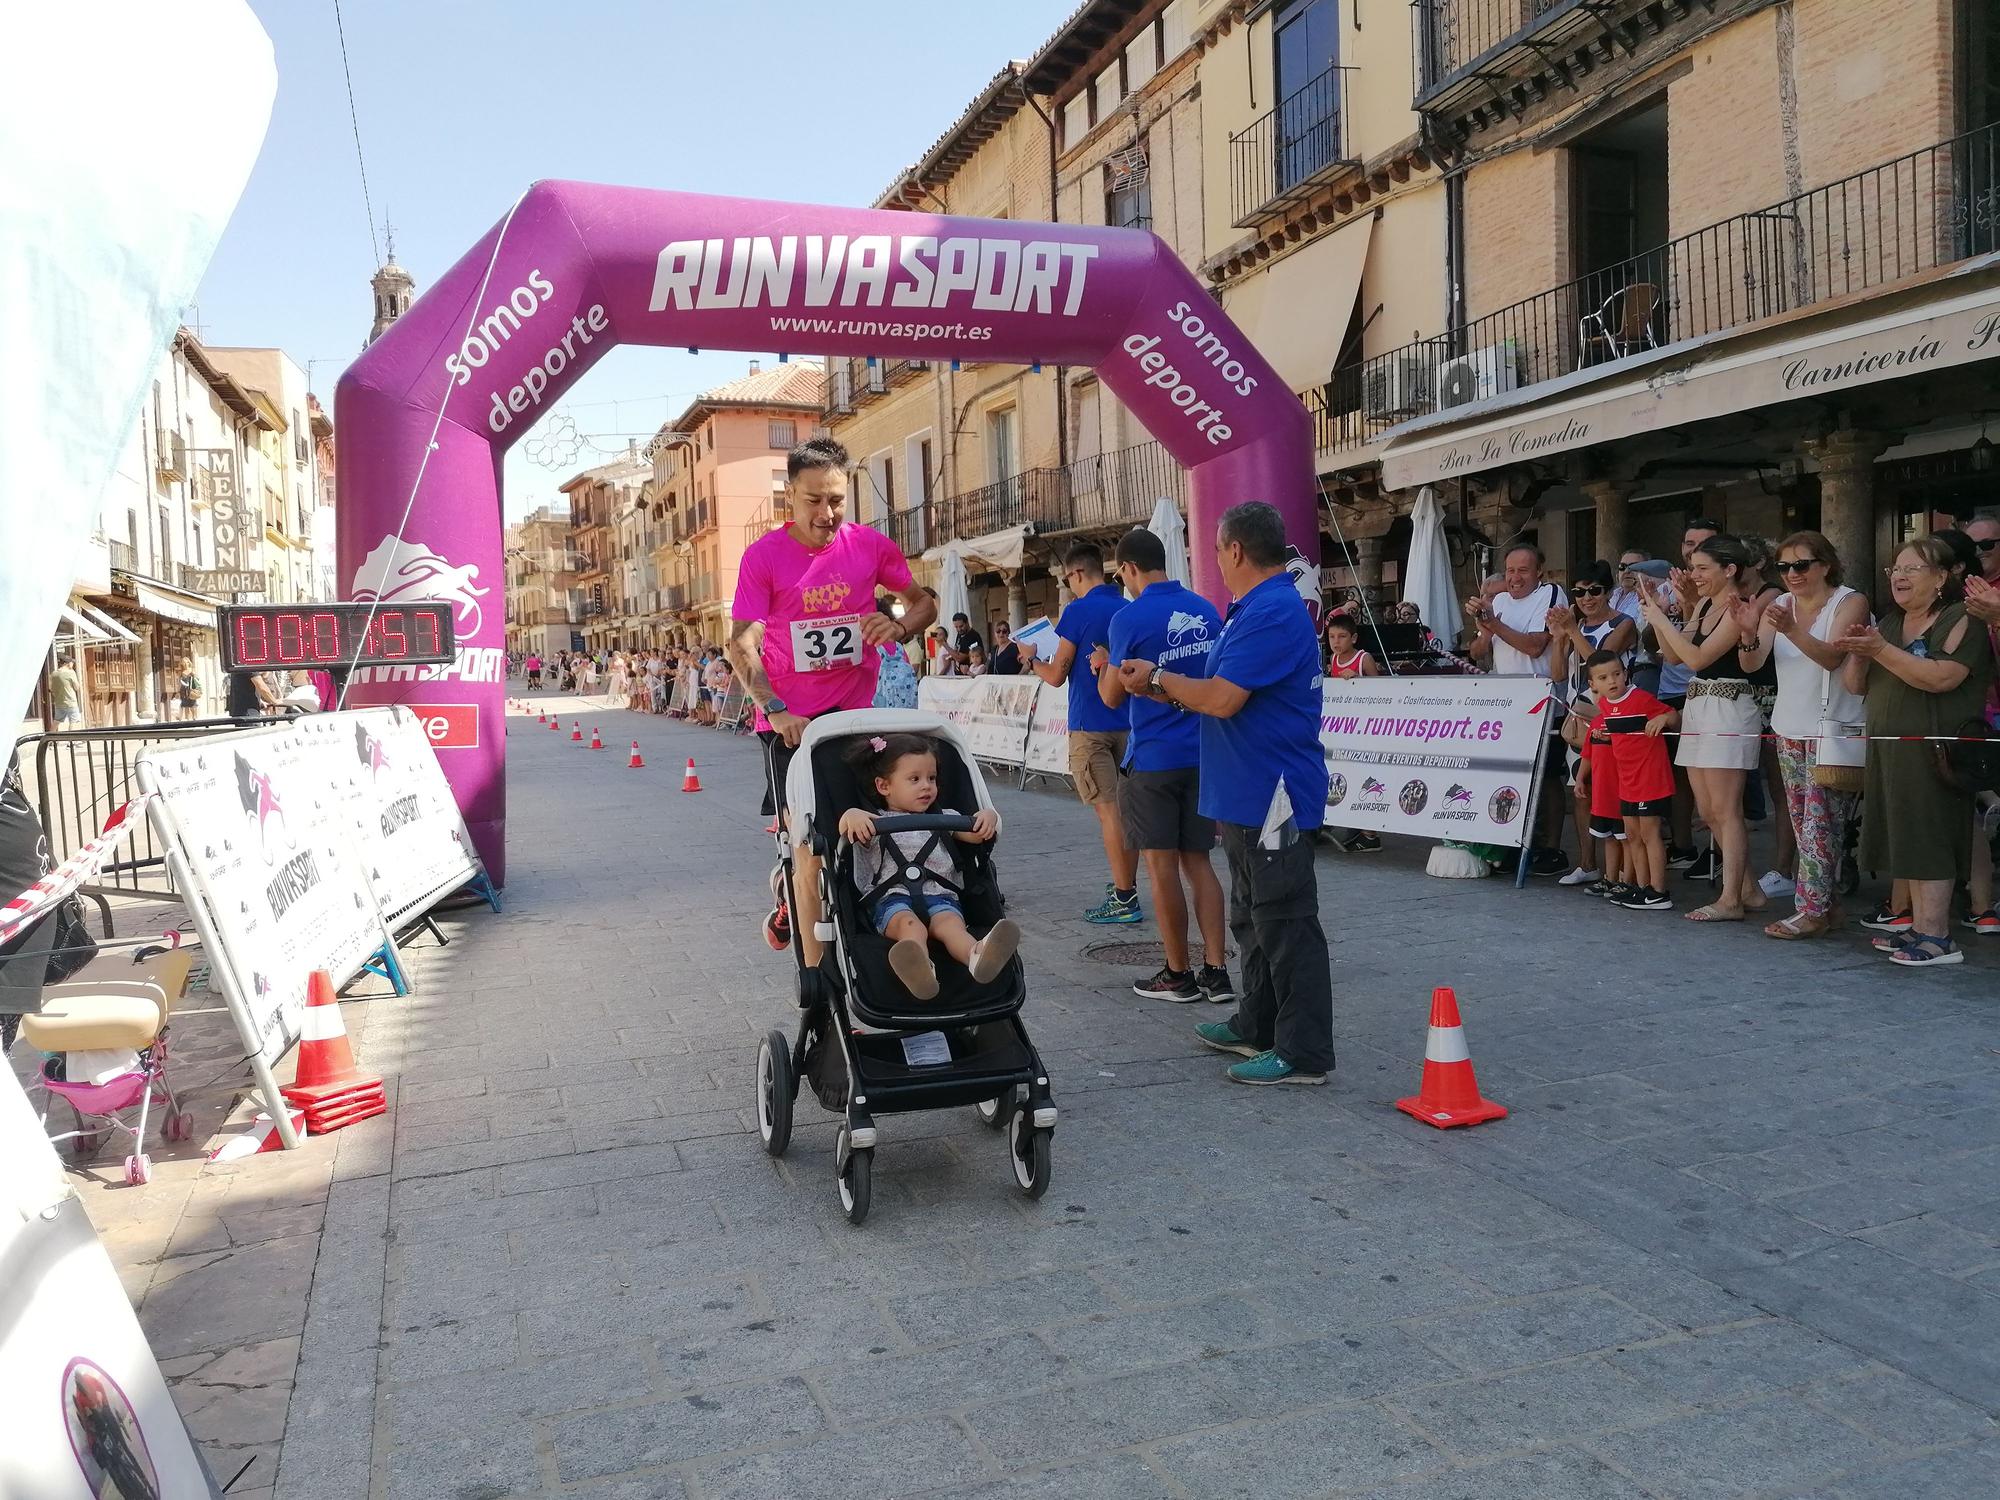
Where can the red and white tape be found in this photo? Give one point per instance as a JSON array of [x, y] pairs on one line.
[[43, 896]]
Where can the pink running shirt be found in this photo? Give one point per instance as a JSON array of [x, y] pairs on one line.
[[812, 605]]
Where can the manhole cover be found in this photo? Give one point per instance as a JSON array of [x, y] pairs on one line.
[[1139, 955]]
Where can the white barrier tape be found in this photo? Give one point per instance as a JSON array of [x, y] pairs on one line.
[[45, 894]]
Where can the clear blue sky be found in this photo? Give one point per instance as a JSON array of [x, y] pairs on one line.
[[464, 102]]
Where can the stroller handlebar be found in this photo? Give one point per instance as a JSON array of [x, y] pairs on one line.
[[923, 823]]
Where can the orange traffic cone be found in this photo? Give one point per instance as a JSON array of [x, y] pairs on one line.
[[690, 782], [576, 731], [595, 742], [638, 761], [556, 725], [262, 1136], [1449, 1094], [542, 717]]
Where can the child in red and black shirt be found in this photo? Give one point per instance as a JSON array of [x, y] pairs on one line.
[[1629, 725]]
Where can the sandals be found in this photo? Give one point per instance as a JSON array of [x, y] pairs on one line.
[[911, 962], [1798, 925], [1923, 948], [1713, 912]]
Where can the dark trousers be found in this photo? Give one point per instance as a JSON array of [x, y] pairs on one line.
[[1287, 996]]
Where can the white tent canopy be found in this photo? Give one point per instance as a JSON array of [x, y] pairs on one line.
[[1427, 576]]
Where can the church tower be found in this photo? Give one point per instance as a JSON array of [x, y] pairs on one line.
[[394, 288]]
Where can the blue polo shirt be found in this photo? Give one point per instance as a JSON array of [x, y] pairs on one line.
[[1175, 628], [1268, 647], [1086, 625]]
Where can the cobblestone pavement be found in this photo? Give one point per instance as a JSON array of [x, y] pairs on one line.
[[1740, 1235]]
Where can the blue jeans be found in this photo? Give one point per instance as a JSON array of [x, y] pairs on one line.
[[887, 908]]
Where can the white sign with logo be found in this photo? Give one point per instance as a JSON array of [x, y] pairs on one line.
[[1048, 732], [1436, 757], [949, 697], [997, 728], [273, 878], [382, 771]]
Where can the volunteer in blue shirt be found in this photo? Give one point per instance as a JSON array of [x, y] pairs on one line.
[[1263, 778], [1096, 733], [1159, 792]]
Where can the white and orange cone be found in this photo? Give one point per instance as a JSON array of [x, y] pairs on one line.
[[1449, 1094], [595, 742], [576, 731], [638, 761], [690, 782]]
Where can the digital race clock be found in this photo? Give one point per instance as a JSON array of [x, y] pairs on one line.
[[266, 637]]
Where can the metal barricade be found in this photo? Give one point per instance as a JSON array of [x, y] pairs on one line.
[[734, 710], [79, 777]]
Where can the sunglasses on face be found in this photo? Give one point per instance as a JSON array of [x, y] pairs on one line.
[[1987, 544], [1802, 565], [1588, 591]]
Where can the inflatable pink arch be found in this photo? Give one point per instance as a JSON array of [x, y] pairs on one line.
[[426, 413]]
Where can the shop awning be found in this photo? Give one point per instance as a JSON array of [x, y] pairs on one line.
[[118, 632], [1002, 549], [172, 604], [1948, 322], [82, 631], [1296, 310]]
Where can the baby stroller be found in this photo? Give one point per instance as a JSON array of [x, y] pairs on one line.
[[865, 1044]]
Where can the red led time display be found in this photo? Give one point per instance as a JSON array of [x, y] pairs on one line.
[[266, 637]]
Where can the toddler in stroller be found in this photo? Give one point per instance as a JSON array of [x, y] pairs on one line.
[[913, 1000], [907, 907]]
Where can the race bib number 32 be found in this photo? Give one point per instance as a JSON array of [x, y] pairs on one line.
[[821, 645]]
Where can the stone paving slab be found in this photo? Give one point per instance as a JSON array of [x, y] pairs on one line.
[[1741, 1234]]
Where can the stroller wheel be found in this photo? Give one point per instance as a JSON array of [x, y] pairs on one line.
[[996, 1113], [1028, 1149], [856, 1169], [179, 1126], [138, 1170], [777, 1086], [84, 1147]]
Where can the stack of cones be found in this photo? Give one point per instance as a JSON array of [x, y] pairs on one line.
[[329, 1087]]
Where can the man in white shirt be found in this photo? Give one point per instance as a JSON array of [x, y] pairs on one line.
[[1516, 623]]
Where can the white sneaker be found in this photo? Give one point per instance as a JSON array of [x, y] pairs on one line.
[[1578, 876], [1775, 884]]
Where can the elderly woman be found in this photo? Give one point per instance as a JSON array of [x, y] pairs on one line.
[[1925, 672], [1797, 633]]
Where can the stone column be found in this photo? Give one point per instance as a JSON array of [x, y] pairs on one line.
[[1017, 597], [145, 687], [1846, 462], [1611, 499], [1368, 568]]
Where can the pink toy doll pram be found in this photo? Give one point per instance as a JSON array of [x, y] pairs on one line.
[[114, 1011]]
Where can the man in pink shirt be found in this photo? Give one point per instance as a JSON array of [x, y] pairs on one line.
[[804, 628]]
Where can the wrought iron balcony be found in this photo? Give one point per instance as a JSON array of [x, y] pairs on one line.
[[1902, 219], [1296, 147], [1119, 488]]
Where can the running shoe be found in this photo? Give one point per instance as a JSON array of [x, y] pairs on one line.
[[1214, 982], [1706, 866], [1680, 859], [1775, 883], [1648, 900], [1621, 893], [1985, 923], [1547, 862], [1169, 984], [1117, 911], [1579, 876], [1268, 1067], [778, 928], [1599, 887], [1888, 921], [1362, 843], [1223, 1038]]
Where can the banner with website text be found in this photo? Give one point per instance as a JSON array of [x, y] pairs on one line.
[[1434, 757]]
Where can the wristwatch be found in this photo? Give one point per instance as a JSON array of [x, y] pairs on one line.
[[1153, 681], [774, 705]]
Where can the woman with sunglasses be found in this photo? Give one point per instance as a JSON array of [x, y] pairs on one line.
[[1795, 634], [1721, 728], [1592, 625], [1925, 672]]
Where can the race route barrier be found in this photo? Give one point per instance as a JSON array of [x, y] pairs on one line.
[[997, 725], [1048, 733], [1435, 757], [382, 770]]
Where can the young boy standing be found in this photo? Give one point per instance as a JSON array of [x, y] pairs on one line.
[[1632, 721]]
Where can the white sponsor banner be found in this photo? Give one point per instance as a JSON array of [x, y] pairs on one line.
[[948, 697], [1048, 732], [1437, 757], [997, 728], [383, 773], [277, 886]]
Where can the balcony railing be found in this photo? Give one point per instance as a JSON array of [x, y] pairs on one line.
[[1119, 488], [1294, 148], [852, 382], [674, 596], [123, 556], [1449, 36], [1915, 214]]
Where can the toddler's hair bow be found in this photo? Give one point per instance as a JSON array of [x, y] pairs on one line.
[[878, 744]]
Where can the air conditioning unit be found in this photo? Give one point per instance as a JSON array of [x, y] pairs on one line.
[[1475, 376], [1397, 387], [172, 450]]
